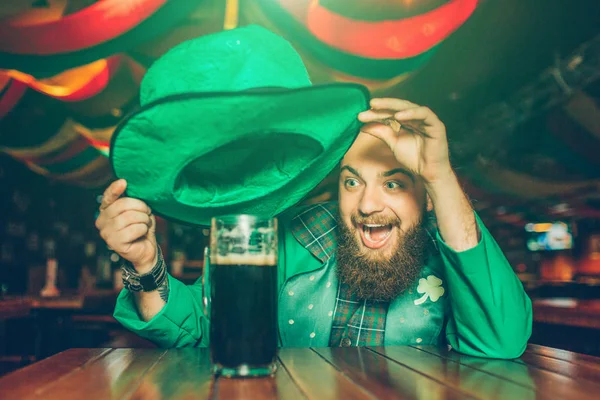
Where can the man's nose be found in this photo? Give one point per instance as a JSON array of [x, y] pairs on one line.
[[370, 202]]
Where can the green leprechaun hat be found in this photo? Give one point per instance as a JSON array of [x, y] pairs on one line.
[[230, 123]]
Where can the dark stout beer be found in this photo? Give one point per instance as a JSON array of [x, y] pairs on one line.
[[242, 270], [243, 323]]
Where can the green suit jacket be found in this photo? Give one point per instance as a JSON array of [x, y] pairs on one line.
[[471, 300]]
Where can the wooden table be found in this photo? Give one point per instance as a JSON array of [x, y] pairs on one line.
[[322, 373]]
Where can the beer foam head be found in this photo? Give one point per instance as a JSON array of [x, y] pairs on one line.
[[265, 260]]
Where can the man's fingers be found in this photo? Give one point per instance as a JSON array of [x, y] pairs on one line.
[[152, 224], [131, 217], [401, 110], [374, 115], [380, 131], [113, 192], [127, 204], [392, 104], [420, 113], [131, 233]]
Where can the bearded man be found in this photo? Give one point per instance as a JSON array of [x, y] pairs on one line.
[[400, 259]]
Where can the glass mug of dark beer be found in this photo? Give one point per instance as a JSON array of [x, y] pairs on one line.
[[241, 298]]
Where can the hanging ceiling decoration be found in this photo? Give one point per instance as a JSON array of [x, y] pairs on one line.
[[52, 146], [289, 18], [51, 37], [72, 85], [70, 71], [387, 38]]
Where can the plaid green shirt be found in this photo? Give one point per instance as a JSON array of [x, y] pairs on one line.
[[356, 322]]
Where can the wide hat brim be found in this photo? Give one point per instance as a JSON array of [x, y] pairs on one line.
[[194, 156]]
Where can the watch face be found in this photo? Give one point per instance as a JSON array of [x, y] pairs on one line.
[[148, 282]]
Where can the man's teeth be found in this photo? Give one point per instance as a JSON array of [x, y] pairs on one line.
[[367, 231]]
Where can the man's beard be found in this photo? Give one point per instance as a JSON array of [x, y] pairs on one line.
[[371, 275]]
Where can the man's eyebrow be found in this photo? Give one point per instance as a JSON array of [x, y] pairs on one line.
[[399, 171], [349, 168]]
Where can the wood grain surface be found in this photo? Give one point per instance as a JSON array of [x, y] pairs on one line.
[[418, 372]]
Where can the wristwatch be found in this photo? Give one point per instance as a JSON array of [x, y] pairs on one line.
[[134, 282]]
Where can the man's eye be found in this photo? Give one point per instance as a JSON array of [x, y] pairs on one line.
[[393, 185], [350, 183]]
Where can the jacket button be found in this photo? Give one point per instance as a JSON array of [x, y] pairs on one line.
[[291, 322], [346, 342]]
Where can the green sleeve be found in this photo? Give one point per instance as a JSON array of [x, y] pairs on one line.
[[180, 323], [490, 313]]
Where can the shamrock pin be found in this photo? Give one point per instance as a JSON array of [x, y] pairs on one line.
[[432, 287]]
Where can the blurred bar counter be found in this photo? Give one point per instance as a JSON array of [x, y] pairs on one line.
[[14, 308], [568, 323], [22, 305], [33, 328], [568, 311]]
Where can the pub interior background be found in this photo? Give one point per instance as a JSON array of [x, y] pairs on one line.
[[516, 84]]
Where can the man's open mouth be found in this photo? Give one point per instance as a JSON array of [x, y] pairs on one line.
[[375, 236]]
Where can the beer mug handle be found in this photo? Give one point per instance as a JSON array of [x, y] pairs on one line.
[[206, 284]]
